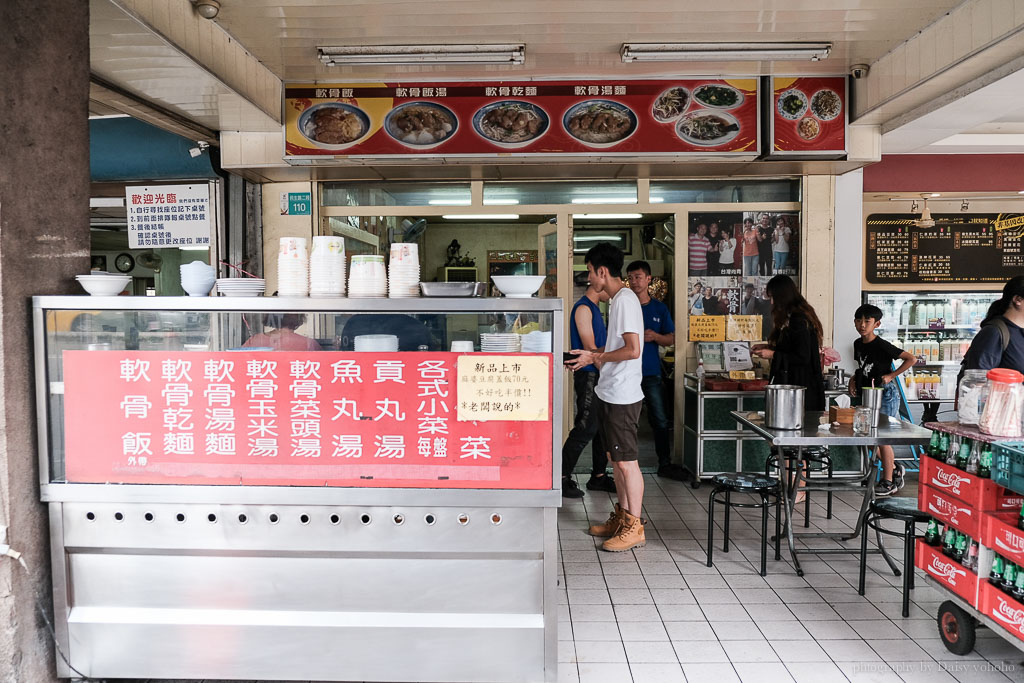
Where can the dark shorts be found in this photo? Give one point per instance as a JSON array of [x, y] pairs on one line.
[[618, 425]]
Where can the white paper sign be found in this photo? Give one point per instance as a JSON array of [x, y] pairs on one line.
[[737, 356], [711, 354], [168, 216]]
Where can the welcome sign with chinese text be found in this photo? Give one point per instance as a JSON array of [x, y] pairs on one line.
[[309, 419], [168, 216]]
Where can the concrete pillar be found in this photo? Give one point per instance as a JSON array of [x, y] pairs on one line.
[[44, 242]]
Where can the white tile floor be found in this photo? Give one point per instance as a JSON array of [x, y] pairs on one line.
[[659, 615]]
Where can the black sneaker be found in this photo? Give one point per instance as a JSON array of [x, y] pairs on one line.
[[885, 488], [570, 489], [604, 483], [673, 471], [898, 476]]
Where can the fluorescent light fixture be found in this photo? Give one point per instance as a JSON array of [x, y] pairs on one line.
[[657, 200], [723, 52], [598, 238], [375, 55], [106, 202], [93, 117], [450, 202], [604, 200], [481, 217], [607, 215], [500, 202], [936, 194], [194, 248]]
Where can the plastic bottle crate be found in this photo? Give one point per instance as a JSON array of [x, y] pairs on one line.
[[1008, 465]]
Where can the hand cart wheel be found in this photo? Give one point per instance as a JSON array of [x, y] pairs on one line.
[[956, 628]]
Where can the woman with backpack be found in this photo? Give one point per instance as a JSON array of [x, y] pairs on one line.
[[1000, 341]]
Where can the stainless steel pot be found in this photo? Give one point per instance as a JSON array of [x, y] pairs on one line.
[[784, 406]]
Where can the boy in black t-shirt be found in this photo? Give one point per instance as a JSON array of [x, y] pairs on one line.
[[874, 357]]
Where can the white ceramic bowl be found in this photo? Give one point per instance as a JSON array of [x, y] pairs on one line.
[[104, 285], [518, 286], [197, 288]]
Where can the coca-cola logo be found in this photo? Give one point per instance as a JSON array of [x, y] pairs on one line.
[[1011, 503], [1008, 614], [946, 570], [946, 510], [949, 480], [1010, 542]]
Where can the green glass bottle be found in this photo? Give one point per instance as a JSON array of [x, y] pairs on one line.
[[963, 456], [995, 577], [1020, 519], [1009, 576], [1018, 587], [949, 541], [931, 536], [985, 461], [933, 444], [943, 451], [960, 549]]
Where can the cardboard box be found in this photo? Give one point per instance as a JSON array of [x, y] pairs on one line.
[[1002, 609], [981, 494], [950, 510], [947, 571]]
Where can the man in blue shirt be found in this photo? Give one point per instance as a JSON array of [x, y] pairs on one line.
[[659, 330], [587, 332]]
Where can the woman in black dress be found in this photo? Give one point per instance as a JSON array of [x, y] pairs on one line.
[[794, 345]]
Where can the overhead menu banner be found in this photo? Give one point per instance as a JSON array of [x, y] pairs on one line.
[[809, 116], [959, 248], [685, 116], [168, 216]]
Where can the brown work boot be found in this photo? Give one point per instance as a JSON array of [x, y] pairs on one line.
[[611, 527], [631, 535]]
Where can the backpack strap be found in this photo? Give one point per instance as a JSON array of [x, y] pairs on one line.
[[1004, 331]]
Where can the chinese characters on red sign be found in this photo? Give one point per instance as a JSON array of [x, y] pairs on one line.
[[313, 419]]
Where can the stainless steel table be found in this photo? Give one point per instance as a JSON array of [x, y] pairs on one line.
[[890, 432]]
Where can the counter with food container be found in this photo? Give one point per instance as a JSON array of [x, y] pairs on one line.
[[299, 488]]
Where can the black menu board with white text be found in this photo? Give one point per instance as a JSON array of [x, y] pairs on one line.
[[959, 248]]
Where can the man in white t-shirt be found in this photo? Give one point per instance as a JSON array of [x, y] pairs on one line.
[[619, 396]]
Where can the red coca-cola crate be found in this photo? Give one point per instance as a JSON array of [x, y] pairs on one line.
[[982, 494], [1001, 608], [949, 510], [947, 571], [998, 531]]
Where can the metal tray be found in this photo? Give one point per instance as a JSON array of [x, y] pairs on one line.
[[453, 288]]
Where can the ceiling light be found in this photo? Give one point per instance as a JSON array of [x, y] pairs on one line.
[[607, 215], [500, 202], [481, 217], [935, 194], [449, 202], [604, 200], [722, 52], [657, 200], [422, 54], [207, 9]]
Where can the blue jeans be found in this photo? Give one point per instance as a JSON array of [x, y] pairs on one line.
[[891, 399], [657, 416], [780, 260], [750, 265], [584, 427]]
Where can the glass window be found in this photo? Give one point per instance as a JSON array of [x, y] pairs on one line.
[[496, 194], [395, 194], [721, 191]]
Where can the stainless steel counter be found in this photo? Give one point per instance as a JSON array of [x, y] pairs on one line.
[[891, 431]]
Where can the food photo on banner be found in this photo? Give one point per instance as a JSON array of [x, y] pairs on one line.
[[683, 116], [809, 116], [731, 257]]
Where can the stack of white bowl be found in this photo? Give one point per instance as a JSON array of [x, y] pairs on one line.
[[404, 270], [500, 342], [327, 266], [197, 278], [459, 346], [536, 342], [241, 286], [103, 284], [375, 342], [367, 277], [292, 267]]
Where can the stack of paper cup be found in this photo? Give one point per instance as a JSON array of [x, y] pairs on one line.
[[367, 277], [293, 267], [404, 271], [327, 266]]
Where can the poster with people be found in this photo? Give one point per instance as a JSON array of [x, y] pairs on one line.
[[731, 257]]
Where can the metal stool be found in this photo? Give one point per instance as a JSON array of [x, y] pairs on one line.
[[812, 455], [904, 510], [752, 483]]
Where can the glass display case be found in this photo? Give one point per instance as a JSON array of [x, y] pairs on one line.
[[401, 456], [937, 328]]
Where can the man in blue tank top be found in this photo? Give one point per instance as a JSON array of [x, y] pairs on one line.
[[586, 331], [659, 330]]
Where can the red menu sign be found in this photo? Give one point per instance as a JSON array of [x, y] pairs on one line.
[[408, 420], [809, 116], [685, 116]]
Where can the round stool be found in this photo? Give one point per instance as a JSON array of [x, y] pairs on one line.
[[816, 459], [904, 510], [753, 483]]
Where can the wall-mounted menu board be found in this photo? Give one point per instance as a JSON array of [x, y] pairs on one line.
[[702, 116], [960, 248]]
